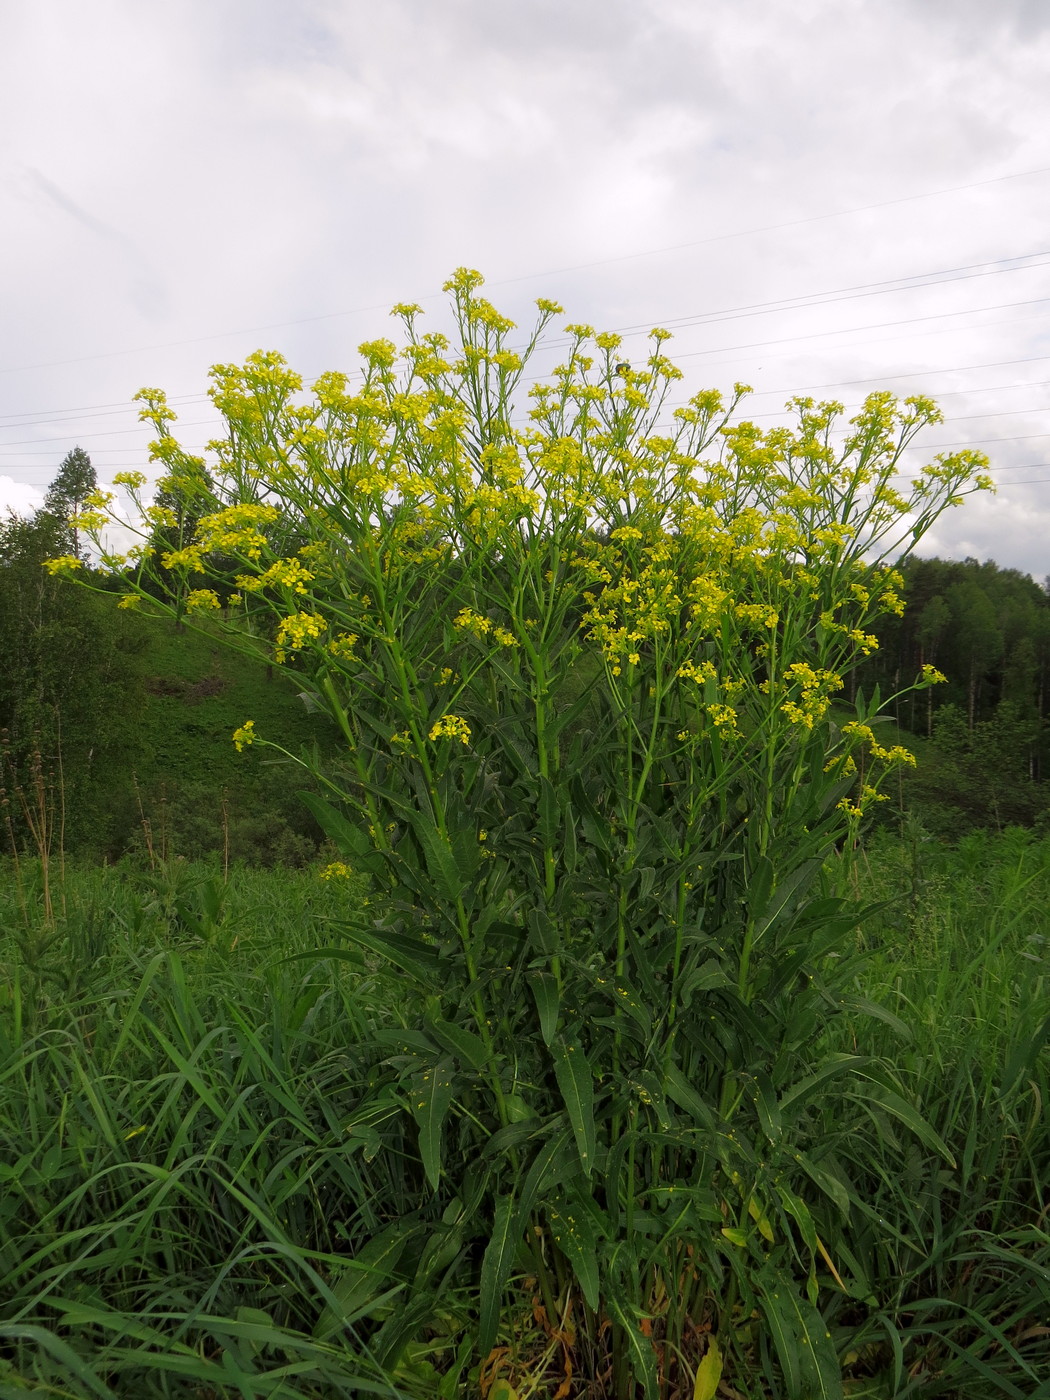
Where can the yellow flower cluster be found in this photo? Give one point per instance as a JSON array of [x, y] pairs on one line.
[[63, 564], [296, 631], [163, 517], [237, 529], [285, 573], [190, 559], [342, 646], [467, 620], [724, 718], [706, 671], [202, 600], [814, 690], [894, 757], [760, 614], [245, 735], [451, 727], [337, 870]]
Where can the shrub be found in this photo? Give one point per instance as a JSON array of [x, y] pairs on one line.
[[584, 666]]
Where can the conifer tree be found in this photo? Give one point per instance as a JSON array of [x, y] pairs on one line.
[[65, 496]]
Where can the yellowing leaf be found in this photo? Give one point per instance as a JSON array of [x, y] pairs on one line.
[[503, 1390], [761, 1219], [708, 1373]]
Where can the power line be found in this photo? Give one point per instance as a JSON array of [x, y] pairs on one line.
[[937, 278], [107, 432], [873, 326], [530, 276]]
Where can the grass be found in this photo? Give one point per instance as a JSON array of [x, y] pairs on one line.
[[194, 1206]]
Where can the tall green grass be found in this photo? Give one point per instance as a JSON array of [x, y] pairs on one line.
[[182, 1201], [952, 1267], [193, 1205]]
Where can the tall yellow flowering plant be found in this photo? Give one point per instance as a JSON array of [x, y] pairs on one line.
[[587, 653]]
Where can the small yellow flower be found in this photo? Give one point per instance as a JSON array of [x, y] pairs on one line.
[[337, 870], [63, 564], [192, 557], [245, 735], [451, 727], [202, 600]]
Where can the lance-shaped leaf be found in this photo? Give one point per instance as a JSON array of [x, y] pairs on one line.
[[709, 1372], [431, 1096], [420, 960], [545, 991], [643, 1357], [366, 1276], [576, 1081], [803, 1344], [468, 1048], [548, 1165], [575, 1235], [496, 1265], [440, 861]]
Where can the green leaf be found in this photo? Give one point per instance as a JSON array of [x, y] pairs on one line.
[[544, 987], [576, 1081], [548, 1165], [364, 1278], [768, 1109], [465, 1045], [883, 1014], [709, 1372], [542, 933], [648, 1088], [643, 1358], [902, 1110], [352, 839], [681, 1092], [803, 1343], [833, 1066], [437, 852], [420, 960], [64, 1355], [831, 1186], [431, 1098], [759, 887], [496, 1265], [628, 1003], [502, 1389], [548, 815], [708, 977], [575, 1235]]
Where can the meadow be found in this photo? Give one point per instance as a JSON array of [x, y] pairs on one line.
[[600, 1060], [195, 1205]]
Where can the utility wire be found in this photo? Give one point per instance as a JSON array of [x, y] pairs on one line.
[[531, 276]]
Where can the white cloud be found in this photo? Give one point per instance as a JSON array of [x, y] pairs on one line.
[[169, 174], [17, 498]]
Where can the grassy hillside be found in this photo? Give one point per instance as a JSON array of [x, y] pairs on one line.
[[182, 787]]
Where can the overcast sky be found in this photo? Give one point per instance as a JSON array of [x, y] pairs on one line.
[[184, 183]]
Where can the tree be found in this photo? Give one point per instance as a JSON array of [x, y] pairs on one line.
[[65, 497], [69, 686]]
